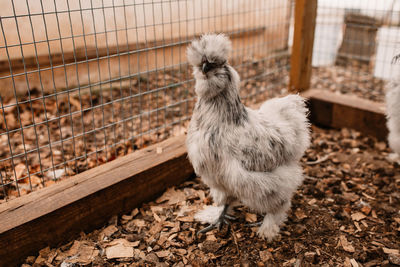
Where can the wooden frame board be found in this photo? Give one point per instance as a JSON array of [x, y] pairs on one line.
[[334, 110], [86, 201]]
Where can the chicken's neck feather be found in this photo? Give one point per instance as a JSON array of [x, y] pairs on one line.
[[226, 107]]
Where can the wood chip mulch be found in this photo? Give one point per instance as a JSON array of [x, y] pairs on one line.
[[345, 214], [354, 80]]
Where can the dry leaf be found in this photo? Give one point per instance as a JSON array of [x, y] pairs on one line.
[[40, 260], [377, 243], [347, 246], [35, 180], [139, 254], [350, 196], [358, 226], [265, 255], [186, 219], [156, 209], [139, 222], [394, 259], [135, 212], [51, 256], [366, 210], [74, 248], [119, 251], [172, 196], [367, 196], [250, 217], [123, 242], [162, 239], [373, 214], [380, 145], [107, 232], [126, 218], [391, 251], [156, 217], [19, 171], [354, 263], [75, 103], [181, 251], [300, 214], [312, 201], [82, 253], [358, 216], [168, 224], [211, 237], [156, 228], [201, 194], [347, 262], [162, 253]]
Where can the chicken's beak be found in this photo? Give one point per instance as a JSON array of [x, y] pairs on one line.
[[206, 67]]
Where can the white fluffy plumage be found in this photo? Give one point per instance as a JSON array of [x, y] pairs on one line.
[[243, 154], [393, 116]]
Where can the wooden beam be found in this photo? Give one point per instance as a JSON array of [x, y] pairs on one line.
[[337, 111], [303, 42], [57, 214]]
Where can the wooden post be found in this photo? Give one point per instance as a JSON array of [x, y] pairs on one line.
[[303, 41]]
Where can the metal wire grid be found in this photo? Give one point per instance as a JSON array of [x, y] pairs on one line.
[[356, 57], [74, 97]]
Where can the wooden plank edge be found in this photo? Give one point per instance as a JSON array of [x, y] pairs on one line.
[[337, 111], [57, 214]]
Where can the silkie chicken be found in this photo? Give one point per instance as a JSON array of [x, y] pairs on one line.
[[245, 155], [393, 118]]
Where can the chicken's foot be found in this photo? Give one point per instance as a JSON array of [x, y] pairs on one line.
[[222, 219]]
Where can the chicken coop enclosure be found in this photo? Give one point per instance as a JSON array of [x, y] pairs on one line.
[[96, 95]]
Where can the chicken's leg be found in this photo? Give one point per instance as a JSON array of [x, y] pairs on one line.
[[222, 219]]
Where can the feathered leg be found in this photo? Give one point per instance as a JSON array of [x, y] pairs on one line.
[[214, 215], [222, 219], [270, 226]]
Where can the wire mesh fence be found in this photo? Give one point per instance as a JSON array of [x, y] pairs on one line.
[[84, 82], [355, 42]]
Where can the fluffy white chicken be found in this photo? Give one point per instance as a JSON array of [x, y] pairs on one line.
[[393, 118], [243, 154]]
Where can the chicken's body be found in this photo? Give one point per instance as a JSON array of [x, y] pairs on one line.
[[244, 154], [393, 114]]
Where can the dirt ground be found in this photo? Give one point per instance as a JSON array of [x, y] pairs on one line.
[[345, 214]]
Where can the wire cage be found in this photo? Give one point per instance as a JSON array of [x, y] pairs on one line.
[[84, 82], [355, 42]]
